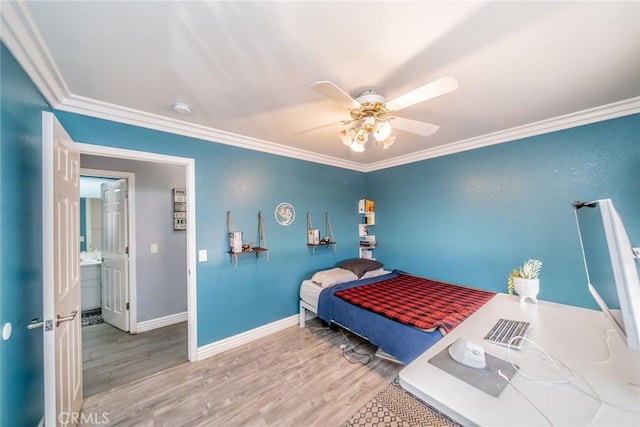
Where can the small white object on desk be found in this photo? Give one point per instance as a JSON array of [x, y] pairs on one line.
[[468, 353]]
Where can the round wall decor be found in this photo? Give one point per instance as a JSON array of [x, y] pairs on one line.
[[285, 214]]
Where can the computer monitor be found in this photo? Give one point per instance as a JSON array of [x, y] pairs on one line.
[[611, 266]]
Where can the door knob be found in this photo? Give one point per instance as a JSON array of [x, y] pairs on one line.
[[66, 318]]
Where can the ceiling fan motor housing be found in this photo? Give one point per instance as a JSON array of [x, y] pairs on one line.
[[370, 96], [371, 105]]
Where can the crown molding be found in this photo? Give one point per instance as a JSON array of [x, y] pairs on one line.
[[102, 110], [580, 118], [21, 36]]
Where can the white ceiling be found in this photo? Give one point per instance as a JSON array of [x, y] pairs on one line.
[[245, 68]]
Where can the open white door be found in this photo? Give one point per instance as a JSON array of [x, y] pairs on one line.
[[115, 255], [61, 275]]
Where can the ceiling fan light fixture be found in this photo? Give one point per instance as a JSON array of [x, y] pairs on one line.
[[362, 136], [347, 136], [382, 131], [358, 145], [368, 123], [372, 114]]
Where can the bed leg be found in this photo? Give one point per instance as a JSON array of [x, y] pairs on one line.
[[303, 315]]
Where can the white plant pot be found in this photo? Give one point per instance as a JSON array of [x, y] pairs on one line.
[[526, 289]]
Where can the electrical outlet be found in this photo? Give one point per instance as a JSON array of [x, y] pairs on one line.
[[202, 255]]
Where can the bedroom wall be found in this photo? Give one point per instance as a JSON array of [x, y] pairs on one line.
[[234, 300], [21, 365], [471, 217], [161, 278]]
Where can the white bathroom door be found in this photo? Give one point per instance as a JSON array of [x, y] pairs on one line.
[[115, 255], [62, 339]]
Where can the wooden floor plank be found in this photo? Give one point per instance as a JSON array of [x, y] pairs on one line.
[[291, 378], [111, 357]]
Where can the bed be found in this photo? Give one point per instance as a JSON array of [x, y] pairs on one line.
[[400, 313]]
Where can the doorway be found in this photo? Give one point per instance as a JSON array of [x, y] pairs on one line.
[[106, 296], [187, 166]]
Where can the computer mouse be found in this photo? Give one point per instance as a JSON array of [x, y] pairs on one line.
[[468, 353]]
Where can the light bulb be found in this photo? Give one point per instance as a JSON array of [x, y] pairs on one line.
[[358, 146], [368, 123], [347, 136], [382, 132]]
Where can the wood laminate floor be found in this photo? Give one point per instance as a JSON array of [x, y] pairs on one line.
[[111, 358], [295, 377]]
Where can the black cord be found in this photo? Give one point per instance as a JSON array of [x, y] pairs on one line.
[[368, 356]]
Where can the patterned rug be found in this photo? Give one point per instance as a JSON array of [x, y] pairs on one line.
[[393, 406], [92, 317]]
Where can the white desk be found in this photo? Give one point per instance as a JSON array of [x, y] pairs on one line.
[[576, 336]]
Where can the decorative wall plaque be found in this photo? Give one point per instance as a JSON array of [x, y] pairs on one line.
[[285, 214]]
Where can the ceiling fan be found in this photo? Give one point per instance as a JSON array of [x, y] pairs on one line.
[[371, 114]]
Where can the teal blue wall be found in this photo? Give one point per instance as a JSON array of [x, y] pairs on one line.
[[471, 217], [83, 223], [21, 376], [233, 300]]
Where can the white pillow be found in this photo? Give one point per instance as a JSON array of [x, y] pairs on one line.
[[333, 276], [374, 273]]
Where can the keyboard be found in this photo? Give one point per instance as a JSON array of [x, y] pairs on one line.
[[505, 329]]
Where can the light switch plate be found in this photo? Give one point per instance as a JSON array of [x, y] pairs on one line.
[[202, 255], [154, 248]]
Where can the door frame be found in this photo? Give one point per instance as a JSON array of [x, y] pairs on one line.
[[189, 164], [131, 231]]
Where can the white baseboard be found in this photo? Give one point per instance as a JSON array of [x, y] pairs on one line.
[[245, 337], [161, 322]]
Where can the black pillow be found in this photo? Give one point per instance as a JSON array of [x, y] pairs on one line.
[[359, 266]]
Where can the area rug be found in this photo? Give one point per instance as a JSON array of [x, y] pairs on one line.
[[92, 317], [393, 406]]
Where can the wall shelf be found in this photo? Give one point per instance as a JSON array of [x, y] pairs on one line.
[[256, 250], [313, 235], [366, 209], [246, 249]]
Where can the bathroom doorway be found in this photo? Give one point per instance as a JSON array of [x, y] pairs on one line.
[[104, 247]]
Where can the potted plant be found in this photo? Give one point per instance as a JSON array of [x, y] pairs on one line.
[[524, 281]]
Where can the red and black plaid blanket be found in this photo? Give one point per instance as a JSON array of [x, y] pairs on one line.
[[419, 302]]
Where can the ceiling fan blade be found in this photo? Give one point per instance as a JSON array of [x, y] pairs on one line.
[[315, 128], [414, 126], [430, 90], [333, 92]]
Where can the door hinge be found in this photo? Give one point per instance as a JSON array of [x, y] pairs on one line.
[[126, 250], [127, 306], [126, 194]]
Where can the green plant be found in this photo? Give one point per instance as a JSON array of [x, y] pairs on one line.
[[529, 270]]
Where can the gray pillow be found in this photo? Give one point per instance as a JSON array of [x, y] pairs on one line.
[[359, 266]]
